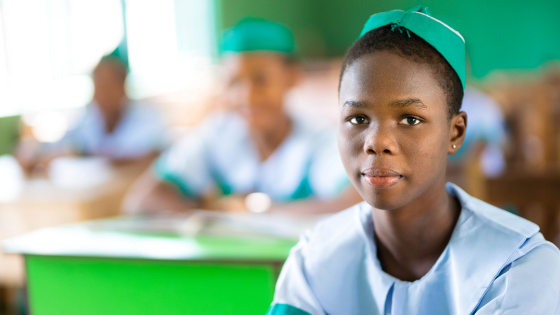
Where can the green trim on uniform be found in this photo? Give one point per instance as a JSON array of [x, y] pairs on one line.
[[447, 41], [224, 188], [163, 174], [303, 191], [221, 183], [285, 309]]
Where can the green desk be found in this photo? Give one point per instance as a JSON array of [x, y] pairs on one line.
[[95, 268]]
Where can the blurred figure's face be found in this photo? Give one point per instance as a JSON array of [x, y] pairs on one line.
[[108, 81], [256, 85]]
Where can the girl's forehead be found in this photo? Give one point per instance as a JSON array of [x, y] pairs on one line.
[[388, 76], [251, 58], [254, 63]]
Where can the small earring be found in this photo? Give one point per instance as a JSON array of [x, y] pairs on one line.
[[454, 146]]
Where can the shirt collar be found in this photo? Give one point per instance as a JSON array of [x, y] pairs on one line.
[[484, 241]]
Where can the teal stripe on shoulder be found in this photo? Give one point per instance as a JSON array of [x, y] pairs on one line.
[[303, 191], [285, 309], [163, 174]]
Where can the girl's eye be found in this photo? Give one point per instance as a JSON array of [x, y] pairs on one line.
[[410, 121], [358, 120]]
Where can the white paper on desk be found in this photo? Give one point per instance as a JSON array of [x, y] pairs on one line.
[[80, 172], [203, 222], [247, 224], [11, 178], [158, 224]]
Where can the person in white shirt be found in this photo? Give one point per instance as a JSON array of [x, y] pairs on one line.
[[114, 126], [255, 146]]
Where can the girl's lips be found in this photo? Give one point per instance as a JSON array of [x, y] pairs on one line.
[[382, 182], [381, 178]]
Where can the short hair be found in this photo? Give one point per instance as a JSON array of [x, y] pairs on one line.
[[409, 45]]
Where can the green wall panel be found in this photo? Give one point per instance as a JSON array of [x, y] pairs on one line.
[[9, 133], [500, 34]]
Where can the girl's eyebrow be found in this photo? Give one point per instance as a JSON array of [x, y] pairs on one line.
[[416, 102], [409, 102]]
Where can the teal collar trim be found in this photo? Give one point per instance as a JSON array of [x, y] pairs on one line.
[[162, 173], [285, 309]]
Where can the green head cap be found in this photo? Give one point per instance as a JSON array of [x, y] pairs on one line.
[[252, 34], [447, 41], [120, 53]]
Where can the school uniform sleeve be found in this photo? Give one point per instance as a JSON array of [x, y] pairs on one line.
[[187, 165], [327, 176], [74, 140], [140, 132], [529, 285], [294, 295]]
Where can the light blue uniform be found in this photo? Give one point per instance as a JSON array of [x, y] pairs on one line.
[[220, 156], [495, 263], [139, 132]]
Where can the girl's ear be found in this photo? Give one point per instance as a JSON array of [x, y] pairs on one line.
[[458, 128]]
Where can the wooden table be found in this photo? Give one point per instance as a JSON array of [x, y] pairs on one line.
[[535, 196], [42, 204]]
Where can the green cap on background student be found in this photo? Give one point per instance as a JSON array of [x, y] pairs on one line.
[[254, 35]]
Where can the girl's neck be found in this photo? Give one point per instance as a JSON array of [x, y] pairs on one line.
[[113, 115], [267, 140], [411, 239]]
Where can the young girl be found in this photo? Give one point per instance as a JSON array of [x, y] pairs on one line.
[[255, 146], [416, 245]]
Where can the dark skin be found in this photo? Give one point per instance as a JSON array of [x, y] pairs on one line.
[[256, 86], [395, 134], [109, 92]]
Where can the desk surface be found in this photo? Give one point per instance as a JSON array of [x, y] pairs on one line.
[[41, 204], [140, 238]]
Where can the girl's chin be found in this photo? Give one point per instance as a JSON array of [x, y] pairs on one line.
[[385, 206], [384, 199]]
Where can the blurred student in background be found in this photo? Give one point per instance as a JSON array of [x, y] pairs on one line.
[[487, 136], [113, 127], [485, 140], [254, 146]]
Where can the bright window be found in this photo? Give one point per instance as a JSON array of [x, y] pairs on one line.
[[49, 47]]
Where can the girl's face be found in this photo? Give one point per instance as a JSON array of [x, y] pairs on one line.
[[394, 133], [109, 88], [256, 85]]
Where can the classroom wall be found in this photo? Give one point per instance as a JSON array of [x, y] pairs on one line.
[[9, 133], [500, 34]]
